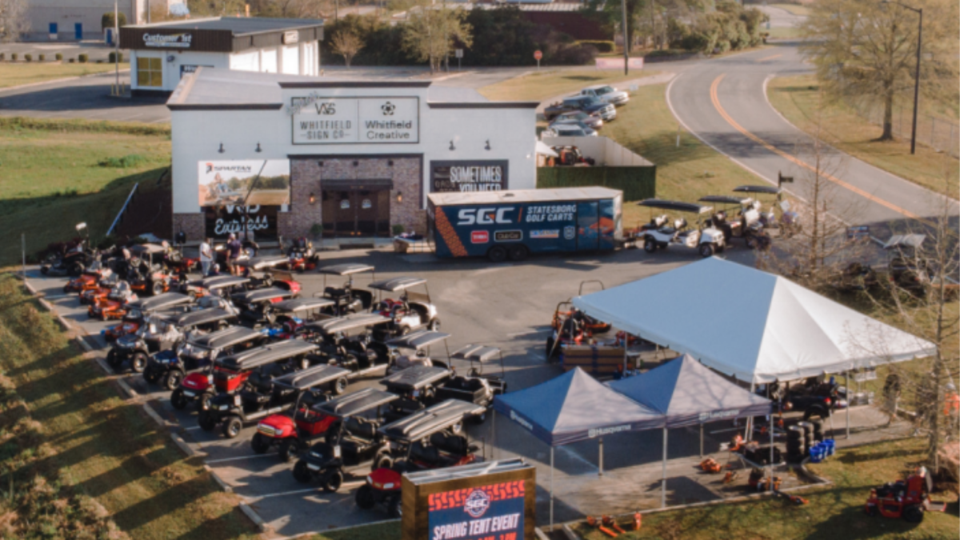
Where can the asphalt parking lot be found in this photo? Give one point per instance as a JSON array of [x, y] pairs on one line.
[[507, 305]]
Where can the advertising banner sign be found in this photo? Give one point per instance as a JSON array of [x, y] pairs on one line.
[[478, 513], [350, 120], [253, 222], [484, 175], [229, 182]]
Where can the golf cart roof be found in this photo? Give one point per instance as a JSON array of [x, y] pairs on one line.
[[355, 403], [221, 282], [434, 419], [676, 206], [773, 190], [261, 295], [350, 322], [268, 354], [202, 316], [724, 199], [416, 377], [397, 283], [346, 269], [162, 301], [147, 248], [418, 340], [905, 241], [312, 376], [476, 353], [259, 263], [302, 304], [228, 337]]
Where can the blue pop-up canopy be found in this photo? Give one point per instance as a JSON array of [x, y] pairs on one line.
[[688, 393]]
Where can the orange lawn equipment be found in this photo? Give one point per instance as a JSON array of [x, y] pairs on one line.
[[711, 466], [611, 523], [795, 499], [594, 522], [908, 499], [637, 521]]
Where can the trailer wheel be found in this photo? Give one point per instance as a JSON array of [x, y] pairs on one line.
[[706, 250], [178, 400], [366, 498], [649, 245], [518, 252], [259, 444], [497, 254]]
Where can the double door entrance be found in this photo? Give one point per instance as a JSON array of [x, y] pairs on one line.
[[356, 212]]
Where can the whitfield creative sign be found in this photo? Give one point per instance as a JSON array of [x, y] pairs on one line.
[[348, 120], [168, 41], [488, 175]]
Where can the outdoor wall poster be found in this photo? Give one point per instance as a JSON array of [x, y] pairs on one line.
[[347, 120], [485, 175], [258, 182], [490, 512]]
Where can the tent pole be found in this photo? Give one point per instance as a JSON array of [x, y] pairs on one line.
[[701, 441], [493, 436], [770, 426], [663, 482], [749, 433], [601, 456], [551, 488], [846, 382]]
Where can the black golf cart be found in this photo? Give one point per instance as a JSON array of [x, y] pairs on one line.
[[352, 342], [418, 345], [266, 396], [475, 387], [412, 311], [256, 306], [197, 353], [417, 387], [347, 298], [290, 316]]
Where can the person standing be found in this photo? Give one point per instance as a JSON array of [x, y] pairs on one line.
[[233, 253], [206, 256]]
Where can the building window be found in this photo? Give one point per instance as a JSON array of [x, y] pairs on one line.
[[150, 72]]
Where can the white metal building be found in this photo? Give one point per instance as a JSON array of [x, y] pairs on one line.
[[73, 20], [161, 54]]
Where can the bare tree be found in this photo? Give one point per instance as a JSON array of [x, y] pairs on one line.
[[347, 45], [13, 19], [432, 31]]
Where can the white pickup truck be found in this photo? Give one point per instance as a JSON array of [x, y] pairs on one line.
[[607, 94]]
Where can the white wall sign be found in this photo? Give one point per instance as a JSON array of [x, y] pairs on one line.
[[165, 41], [290, 37], [371, 120]]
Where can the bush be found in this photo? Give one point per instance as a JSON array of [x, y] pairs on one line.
[[130, 160], [42, 58], [59, 57], [602, 46], [106, 21], [72, 60], [28, 57], [83, 58], [115, 57], [13, 57], [398, 229], [3, 56]]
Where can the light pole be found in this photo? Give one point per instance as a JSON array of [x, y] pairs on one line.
[[626, 45], [916, 82]]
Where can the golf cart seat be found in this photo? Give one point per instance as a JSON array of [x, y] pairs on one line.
[[361, 427], [453, 444], [424, 452], [680, 224], [659, 221], [403, 407], [335, 292]]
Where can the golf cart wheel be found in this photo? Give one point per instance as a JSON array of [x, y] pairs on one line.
[[173, 379], [913, 513], [518, 252], [232, 427], [332, 480], [395, 507], [138, 362], [151, 375], [289, 449], [113, 360], [366, 498], [382, 461], [340, 386], [706, 250], [649, 245], [497, 254], [301, 473], [206, 421], [157, 288], [178, 400], [259, 444], [434, 325]]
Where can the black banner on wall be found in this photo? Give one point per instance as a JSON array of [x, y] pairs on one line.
[[223, 220], [484, 175]]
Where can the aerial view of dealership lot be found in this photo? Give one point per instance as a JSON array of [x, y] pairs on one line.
[[482, 271]]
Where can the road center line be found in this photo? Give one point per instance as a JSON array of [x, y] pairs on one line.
[[733, 123]]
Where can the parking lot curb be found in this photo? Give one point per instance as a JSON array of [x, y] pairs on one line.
[[220, 481], [568, 532], [152, 413], [254, 517], [190, 452], [132, 394]]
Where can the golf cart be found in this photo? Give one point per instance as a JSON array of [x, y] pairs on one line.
[[289, 316], [475, 387], [348, 299], [256, 306], [138, 311], [705, 238], [73, 258], [429, 439], [162, 332], [419, 343], [789, 222], [147, 273], [115, 304], [90, 278], [735, 216], [267, 396], [216, 285], [352, 342], [196, 353], [417, 388], [262, 271], [412, 311], [231, 372], [293, 434]]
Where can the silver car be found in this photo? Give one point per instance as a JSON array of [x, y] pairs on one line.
[[592, 121]]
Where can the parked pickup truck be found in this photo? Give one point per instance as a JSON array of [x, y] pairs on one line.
[[586, 104], [607, 94]]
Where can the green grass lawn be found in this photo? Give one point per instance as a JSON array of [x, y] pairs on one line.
[[797, 98], [545, 84], [55, 174], [834, 512], [64, 421], [380, 531], [15, 74]]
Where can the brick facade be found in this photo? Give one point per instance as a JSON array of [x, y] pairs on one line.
[[192, 224], [307, 175]]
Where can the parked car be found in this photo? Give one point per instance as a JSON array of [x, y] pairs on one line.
[[607, 94], [581, 103], [593, 121], [569, 130]]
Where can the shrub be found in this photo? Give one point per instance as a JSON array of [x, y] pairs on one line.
[[3, 56], [59, 57], [115, 57], [13, 57], [602, 46], [130, 160], [316, 230], [83, 58], [72, 60], [28, 57], [398, 229], [42, 58]]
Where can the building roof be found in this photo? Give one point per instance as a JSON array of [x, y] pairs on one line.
[[238, 26], [523, 195]]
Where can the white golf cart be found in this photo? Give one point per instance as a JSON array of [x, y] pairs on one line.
[[410, 312], [705, 238]]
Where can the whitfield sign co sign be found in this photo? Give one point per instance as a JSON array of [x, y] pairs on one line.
[[346, 120]]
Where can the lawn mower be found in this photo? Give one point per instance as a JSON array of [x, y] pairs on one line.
[[429, 439], [70, 258], [347, 298], [268, 396], [89, 279], [908, 499], [193, 361], [138, 311], [705, 237], [294, 434], [301, 255], [410, 312], [114, 305]]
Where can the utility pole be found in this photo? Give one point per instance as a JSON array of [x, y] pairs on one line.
[[116, 44], [626, 44], [916, 86]]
